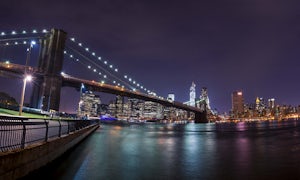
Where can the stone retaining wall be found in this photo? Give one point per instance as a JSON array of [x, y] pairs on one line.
[[17, 164]]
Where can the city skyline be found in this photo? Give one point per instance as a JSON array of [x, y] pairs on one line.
[[248, 46]]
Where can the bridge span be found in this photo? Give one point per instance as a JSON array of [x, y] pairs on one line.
[[48, 78], [102, 87], [71, 81]]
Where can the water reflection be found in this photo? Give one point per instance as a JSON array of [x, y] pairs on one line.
[[243, 150]]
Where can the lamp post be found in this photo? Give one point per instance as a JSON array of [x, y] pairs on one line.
[[27, 78]]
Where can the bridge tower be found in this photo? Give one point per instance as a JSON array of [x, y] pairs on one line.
[[46, 93]]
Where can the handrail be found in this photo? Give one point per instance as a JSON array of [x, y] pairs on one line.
[[18, 132]]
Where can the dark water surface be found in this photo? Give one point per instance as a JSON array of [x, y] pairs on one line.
[[257, 150]]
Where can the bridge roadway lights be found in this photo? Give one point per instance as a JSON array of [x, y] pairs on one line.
[[201, 117]]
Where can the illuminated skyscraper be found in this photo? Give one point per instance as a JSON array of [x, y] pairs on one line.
[[260, 104], [171, 97], [257, 102], [150, 109], [237, 103], [193, 94], [89, 104], [271, 103], [119, 103]]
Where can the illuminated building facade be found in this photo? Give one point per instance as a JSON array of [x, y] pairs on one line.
[[271, 103], [89, 104], [119, 103], [237, 103], [192, 94], [171, 97], [152, 110], [260, 106]]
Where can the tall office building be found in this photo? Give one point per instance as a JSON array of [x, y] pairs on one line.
[[119, 103], [150, 109], [260, 104], [171, 97], [89, 104], [136, 108], [193, 94], [271, 103], [237, 103]]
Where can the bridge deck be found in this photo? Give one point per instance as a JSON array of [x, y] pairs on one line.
[[96, 86]]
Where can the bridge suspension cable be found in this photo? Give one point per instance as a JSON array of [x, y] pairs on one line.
[[20, 41], [89, 66], [129, 80], [23, 32], [109, 71], [8, 38]]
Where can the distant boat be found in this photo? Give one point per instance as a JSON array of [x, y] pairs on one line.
[[107, 117]]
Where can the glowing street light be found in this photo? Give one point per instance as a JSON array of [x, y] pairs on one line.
[[32, 43], [27, 78]]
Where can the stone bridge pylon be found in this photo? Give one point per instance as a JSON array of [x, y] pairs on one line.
[[46, 92]]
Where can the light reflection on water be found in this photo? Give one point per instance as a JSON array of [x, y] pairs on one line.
[[256, 150]]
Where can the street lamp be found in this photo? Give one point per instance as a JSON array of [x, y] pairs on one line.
[[27, 78]]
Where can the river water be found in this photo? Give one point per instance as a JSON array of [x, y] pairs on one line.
[[256, 150]]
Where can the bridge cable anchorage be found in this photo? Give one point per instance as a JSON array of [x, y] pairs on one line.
[[93, 54]]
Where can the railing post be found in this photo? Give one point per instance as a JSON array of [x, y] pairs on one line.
[[59, 133], [46, 135], [23, 135], [68, 128]]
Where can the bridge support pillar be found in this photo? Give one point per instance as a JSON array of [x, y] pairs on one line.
[[46, 94], [201, 117]]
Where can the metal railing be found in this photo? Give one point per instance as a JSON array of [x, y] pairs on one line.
[[17, 133]]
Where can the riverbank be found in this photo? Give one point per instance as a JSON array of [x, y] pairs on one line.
[[19, 162]]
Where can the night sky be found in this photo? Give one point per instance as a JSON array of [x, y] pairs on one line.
[[253, 46]]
